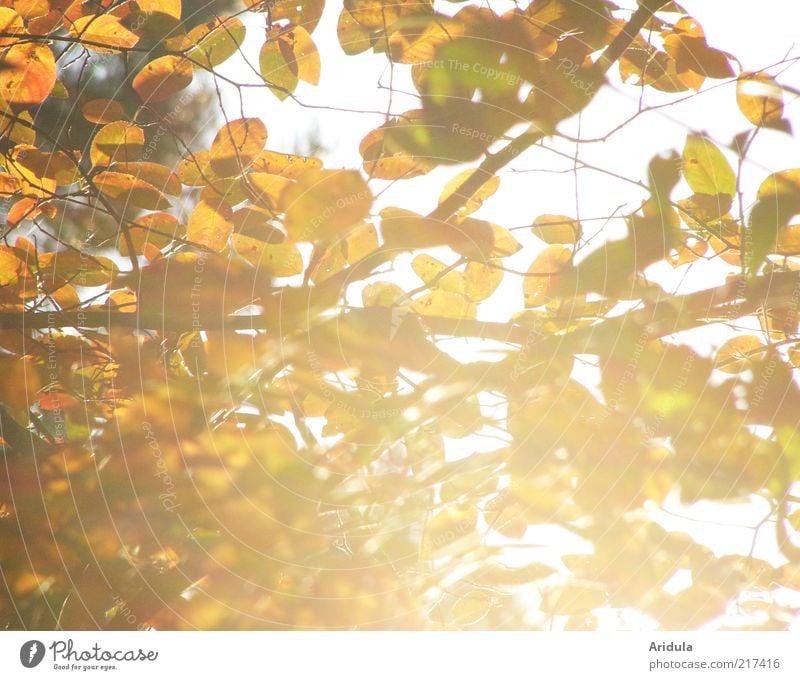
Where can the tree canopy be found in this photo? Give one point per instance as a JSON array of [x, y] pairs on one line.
[[246, 386]]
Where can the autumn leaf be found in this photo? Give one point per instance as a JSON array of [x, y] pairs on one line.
[[130, 190], [322, 203], [544, 274], [162, 78], [705, 168], [103, 33], [27, 74], [103, 111], [557, 229], [236, 146], [737, 354], [288, 56], [215, 42], [210, 222], [118, 141], [760, 99]]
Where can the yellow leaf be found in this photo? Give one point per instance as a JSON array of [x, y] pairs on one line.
[[9, 185], [445, 303], [70, 266], [269, 190], [557, 229], [353, 37], [118, 141], [738, 353], [211, 222], [158, 175], [18, 128], [360, 241], [216, 41], [130, 190], [288, 55], [306, 13], [284, 164], [382, 294], [170, 7], [473, 202], [254, 222], [386, 158], [21, 382], [55, 166], [158, 229], [103, 111], [323, 203], [237, 145], [759, 98], [276, 259], [430, 270], [102, 33], [195, 170], [30, 166], [783, 182], [470, 608], [377, 14], [503, 243], [481, 280], [414, 40], [544, 274], [12, 269], [123, 300], [10, 22]]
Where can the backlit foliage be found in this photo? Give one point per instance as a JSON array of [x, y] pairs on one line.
[[223, 413]]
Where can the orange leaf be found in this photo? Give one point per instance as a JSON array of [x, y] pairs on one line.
[[103, 111], [162, 78], [27, 74]]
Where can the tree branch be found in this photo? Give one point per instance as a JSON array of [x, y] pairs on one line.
[[666, 316], [494, 163]]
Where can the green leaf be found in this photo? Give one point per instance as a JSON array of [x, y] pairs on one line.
[[705, 168], [216, 41]]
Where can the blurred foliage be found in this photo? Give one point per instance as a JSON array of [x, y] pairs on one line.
[[170, 464]]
